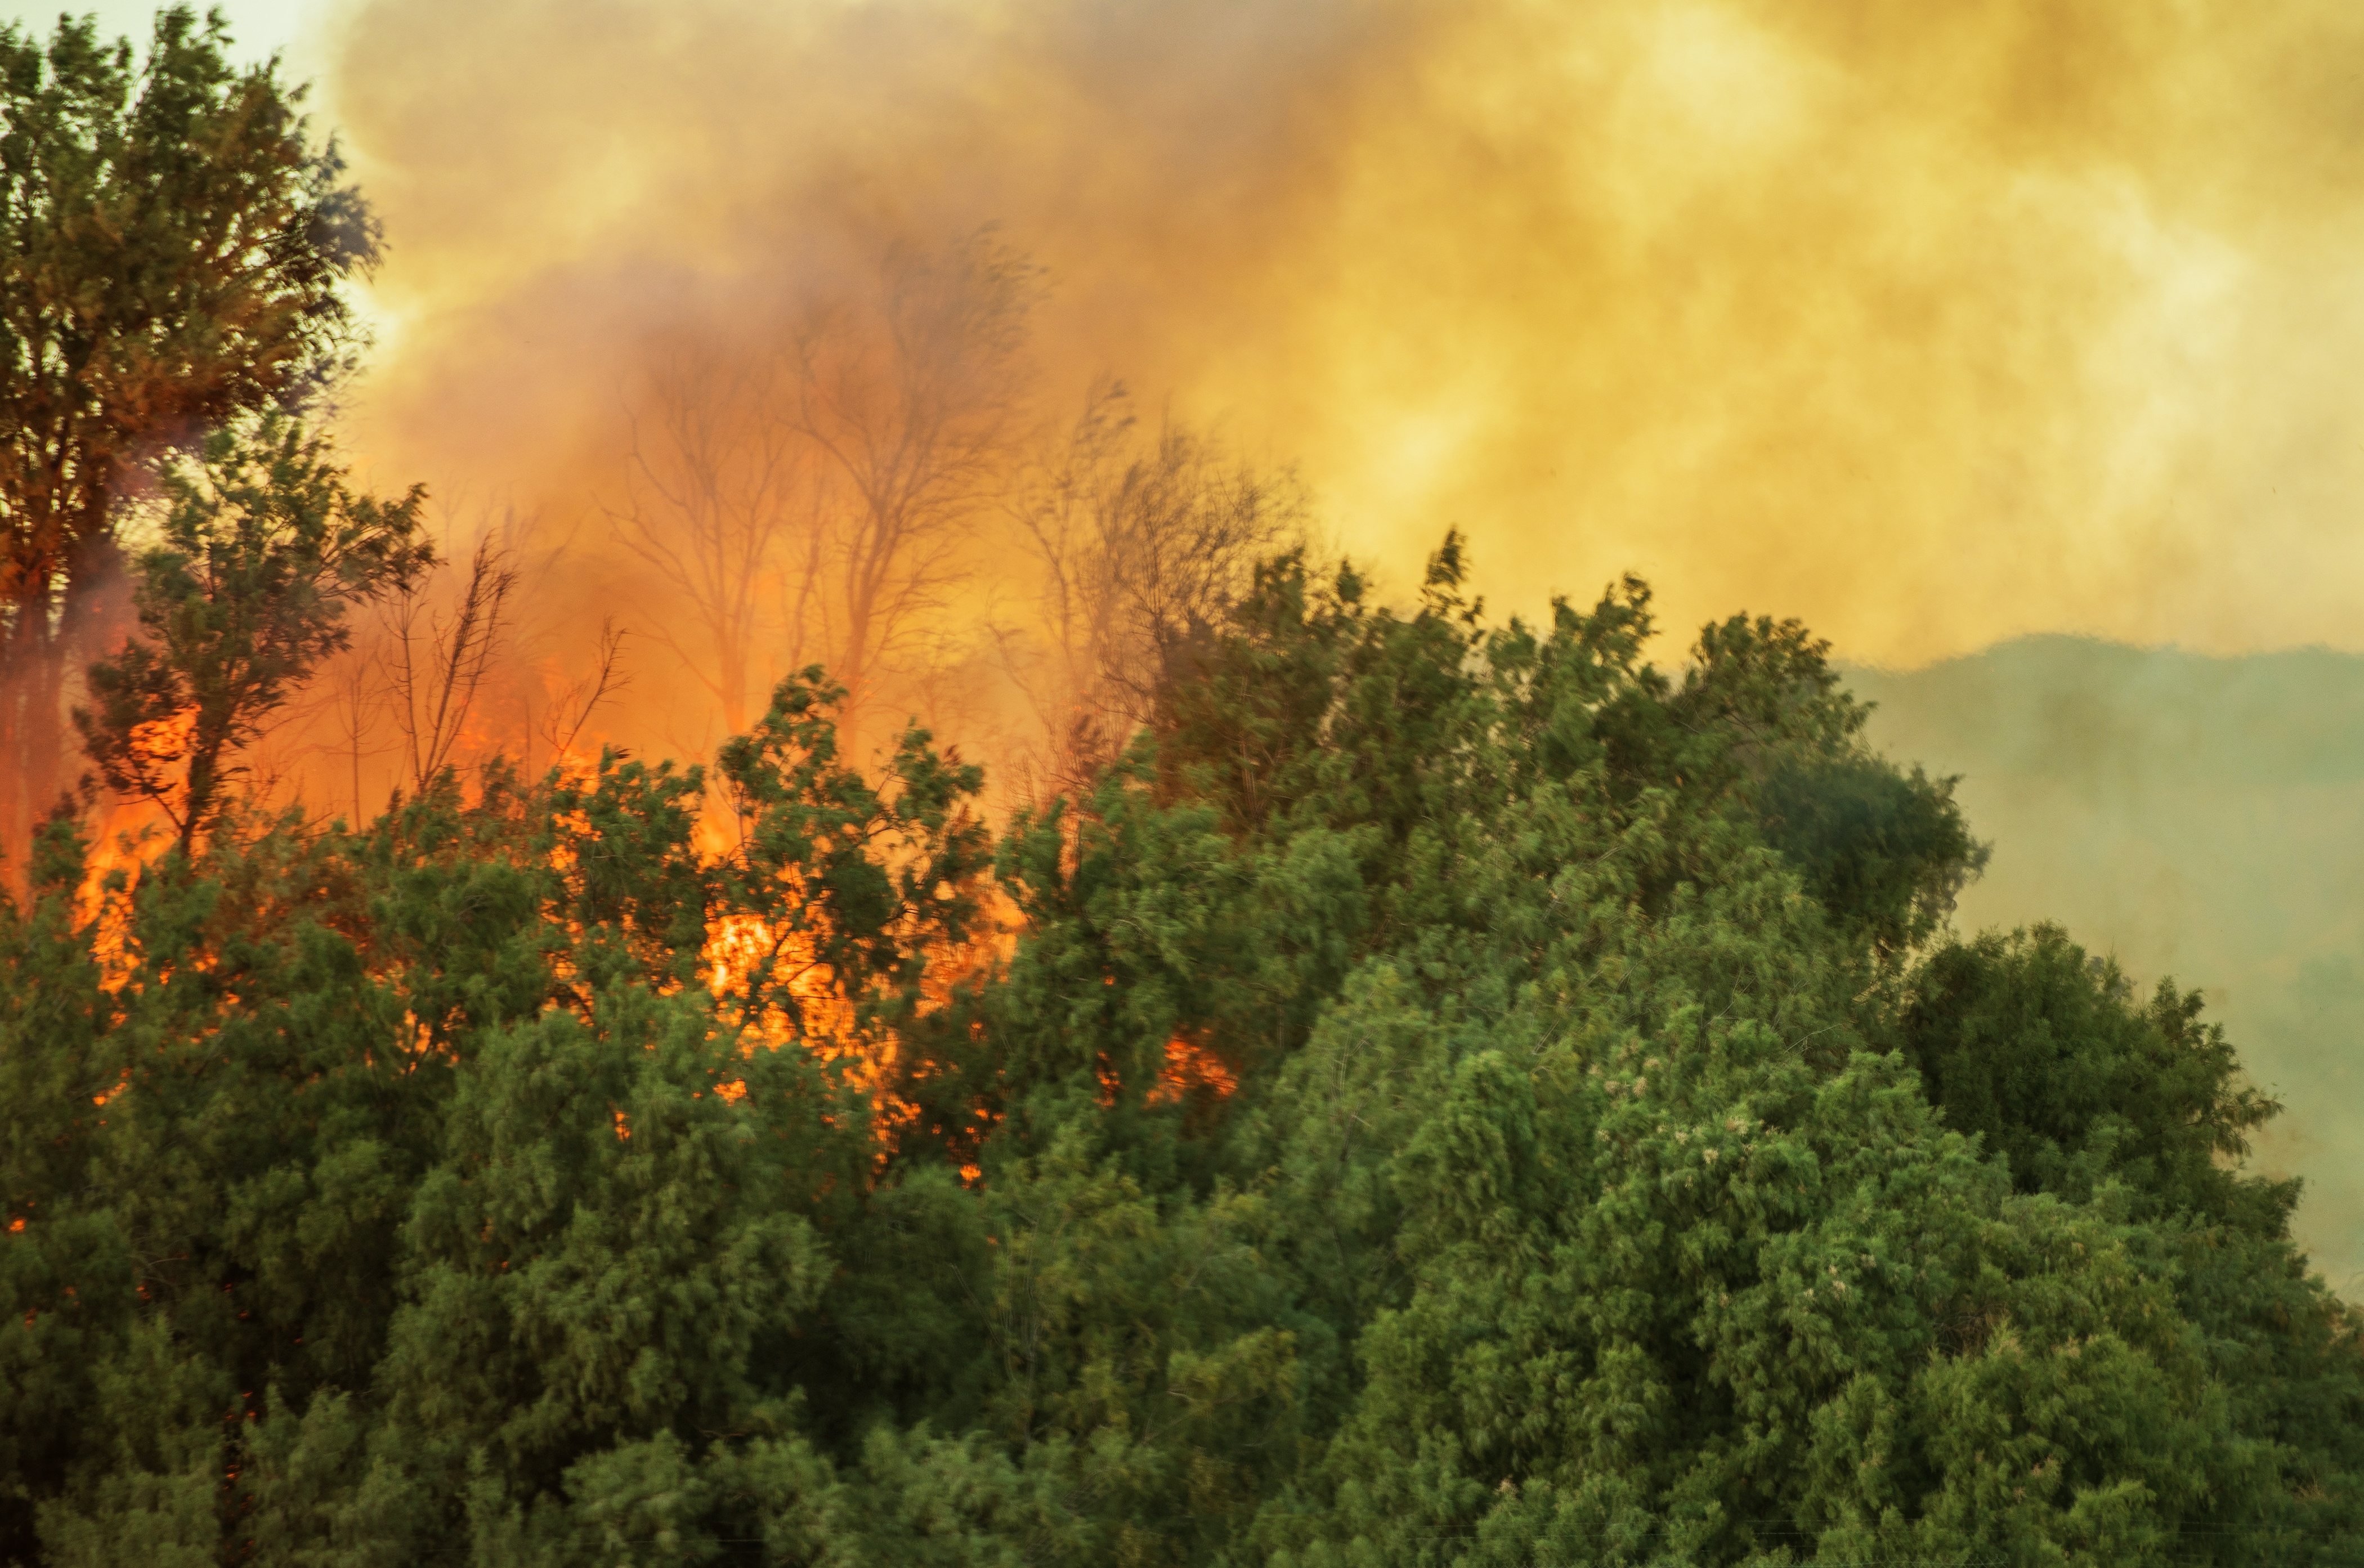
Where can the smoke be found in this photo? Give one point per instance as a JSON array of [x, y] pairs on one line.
[[1933, 327]]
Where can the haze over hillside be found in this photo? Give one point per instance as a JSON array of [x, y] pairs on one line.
[[2196, 816]]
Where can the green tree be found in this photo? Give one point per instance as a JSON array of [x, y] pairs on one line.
[[173, 247], [262, 552], [2043, 1052]]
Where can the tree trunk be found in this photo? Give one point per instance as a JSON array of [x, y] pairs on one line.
[[54, 638], [32, 731]]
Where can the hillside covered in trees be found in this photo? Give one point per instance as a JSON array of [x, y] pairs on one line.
[[2192, 816]]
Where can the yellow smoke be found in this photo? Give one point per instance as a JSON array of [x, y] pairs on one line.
[[1932, 324]]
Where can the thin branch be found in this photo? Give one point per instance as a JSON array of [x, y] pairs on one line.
[[437, 667], [607, 678]]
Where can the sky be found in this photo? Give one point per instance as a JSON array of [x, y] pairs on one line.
[[260, 26], [301, 32]]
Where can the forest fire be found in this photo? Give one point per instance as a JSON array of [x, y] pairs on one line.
[[1190, 1074], [734, 945], [748, 958], [859, 945], [124, 839]]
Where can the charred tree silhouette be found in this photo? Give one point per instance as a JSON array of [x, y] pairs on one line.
[[913, 405], [812, 498], [718, 484], [1142, 545], [356, 699], [563, 723], [436, 660]]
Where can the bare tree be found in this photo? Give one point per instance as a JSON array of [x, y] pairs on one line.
[[355, 692], [1141, 544], [914, 406], [717, 479], [436, 660]]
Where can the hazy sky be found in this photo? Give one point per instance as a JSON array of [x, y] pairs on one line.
[[2196, 818], [1932, 324], [260, 26]]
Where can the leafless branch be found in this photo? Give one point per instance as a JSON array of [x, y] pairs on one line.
[[562, 725], [914, 406], [715, 479], [436, 662], [1142, 546]]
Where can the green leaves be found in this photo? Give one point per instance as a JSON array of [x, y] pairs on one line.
[[608, 1241], [261, 554], [850, 882], [2043, 1052], [171, 251]]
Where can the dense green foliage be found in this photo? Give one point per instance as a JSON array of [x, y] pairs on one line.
[[1450, 1094]]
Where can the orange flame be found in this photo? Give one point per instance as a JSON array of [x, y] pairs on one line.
[[1191, 1070]]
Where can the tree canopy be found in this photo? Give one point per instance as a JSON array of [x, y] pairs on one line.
[[1450, 1093]]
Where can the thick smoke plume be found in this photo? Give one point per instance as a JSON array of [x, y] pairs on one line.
[[1930, 326]]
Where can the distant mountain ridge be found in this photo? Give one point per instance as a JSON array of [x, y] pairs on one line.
[[2196, 816], [2050, 705]]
